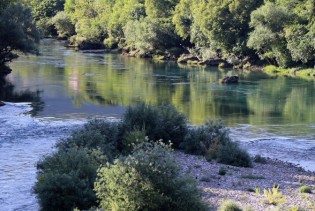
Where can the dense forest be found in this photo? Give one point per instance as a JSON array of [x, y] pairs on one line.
[[240, 32]]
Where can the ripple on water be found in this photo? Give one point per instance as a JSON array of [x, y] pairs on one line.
[[23, 141], [296, 150]]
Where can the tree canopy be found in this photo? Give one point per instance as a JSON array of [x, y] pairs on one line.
[[279, 32], [18, 31]]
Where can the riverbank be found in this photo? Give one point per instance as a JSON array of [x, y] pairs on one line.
[[242, 184], [299, 72]]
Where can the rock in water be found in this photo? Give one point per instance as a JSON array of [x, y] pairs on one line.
[[230, 79], [2, 103]]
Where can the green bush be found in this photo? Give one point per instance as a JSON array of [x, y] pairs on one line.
[[222, 171], [259, 159], [232, 154], [206, 140], [148, 179], [305, 189], [96, 134], [229, 205], [160, 122], [65, 180], [133, 138]]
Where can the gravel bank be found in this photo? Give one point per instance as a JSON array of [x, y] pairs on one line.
[[240, 184]]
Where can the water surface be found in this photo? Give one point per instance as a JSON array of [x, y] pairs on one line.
[[274, 117]]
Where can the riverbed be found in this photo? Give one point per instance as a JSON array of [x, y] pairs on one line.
[[61, 89]]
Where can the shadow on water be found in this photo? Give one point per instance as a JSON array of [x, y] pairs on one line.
[[9, 94]]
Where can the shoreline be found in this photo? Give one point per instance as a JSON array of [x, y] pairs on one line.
[[239, 184], [216, 188]]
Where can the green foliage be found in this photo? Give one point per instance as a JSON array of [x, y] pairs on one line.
[[160, 122], [268, 35], [279, 32], [149, 36], [229, 205], [65, 180], [225, 24], [182, 18], [43, 11], [148, 179], [232, 154], [17, 32], [63, 24], [305, 189], [259, 159], [132, 138], [251, 176], [96, 134], [206, 140], [222, 171], [273, 196]]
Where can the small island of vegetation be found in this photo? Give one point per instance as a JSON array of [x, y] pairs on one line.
[[132, 164]]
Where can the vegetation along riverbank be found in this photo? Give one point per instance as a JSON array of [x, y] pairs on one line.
[[240, 33], [132, 165]]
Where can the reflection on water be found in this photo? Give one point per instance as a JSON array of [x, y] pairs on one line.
[[77, 84], [8, 93]]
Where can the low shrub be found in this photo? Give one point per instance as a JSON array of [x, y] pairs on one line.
[[160, 122], [305, 189], [148, 179], [232, 154], [229, 205], [65, 180], [251, 176], [96, 134], [133, 138], [260, 159], [222, 171], [206, 140]]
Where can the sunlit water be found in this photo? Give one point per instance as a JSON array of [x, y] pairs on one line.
[[274, 117]]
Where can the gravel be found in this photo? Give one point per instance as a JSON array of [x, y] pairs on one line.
[[241, 184]]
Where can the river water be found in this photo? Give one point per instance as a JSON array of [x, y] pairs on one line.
[[61, 89]]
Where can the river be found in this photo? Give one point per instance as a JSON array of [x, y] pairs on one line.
[[61, 89]]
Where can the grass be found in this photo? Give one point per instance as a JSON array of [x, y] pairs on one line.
[[229, 205], [250, 176], [308, 73], [273, 196]]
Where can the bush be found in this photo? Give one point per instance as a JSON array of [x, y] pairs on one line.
[[148, 179], [65, 180], [232, 154], [96, 134], [160, 122], [259, 159], [222, 171], [229, 205], [206, 140], [133, 138], [305, 189]]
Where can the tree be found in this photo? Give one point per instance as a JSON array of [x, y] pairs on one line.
[[17, 32], [268, 36], [63, 24], [43, 11]]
